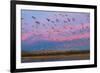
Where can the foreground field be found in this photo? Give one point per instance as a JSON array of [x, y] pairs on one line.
[[43, 56]]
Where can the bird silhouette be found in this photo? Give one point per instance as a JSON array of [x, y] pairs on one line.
[[73, 19], [37, 22], [52, 22], [65, 21], [57, 20], [68, 19], [33, 17], [22, 18], [48, 19], [66, 15]]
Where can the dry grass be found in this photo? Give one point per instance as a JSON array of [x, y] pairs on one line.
[[69, 55]]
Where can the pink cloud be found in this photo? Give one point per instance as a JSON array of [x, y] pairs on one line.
[[74, 37], [55, 34], [25, 36]]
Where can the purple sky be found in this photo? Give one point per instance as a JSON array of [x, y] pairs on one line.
[[54, 27]]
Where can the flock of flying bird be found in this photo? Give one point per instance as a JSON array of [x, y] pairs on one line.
[[53, 28]]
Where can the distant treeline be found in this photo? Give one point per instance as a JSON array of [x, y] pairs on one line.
[[49, 53]]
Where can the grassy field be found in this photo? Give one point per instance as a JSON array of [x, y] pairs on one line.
[[42, 56]]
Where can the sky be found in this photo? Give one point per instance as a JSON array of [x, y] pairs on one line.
[[51, 30]]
